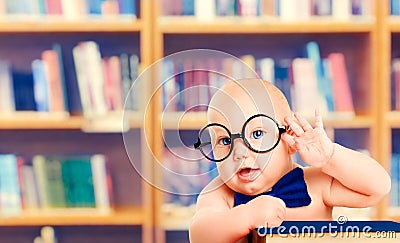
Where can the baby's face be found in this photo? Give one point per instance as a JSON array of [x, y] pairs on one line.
[[244, 170]]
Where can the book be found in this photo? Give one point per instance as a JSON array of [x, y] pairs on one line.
[[127, 8], [265, 69], [7, 102], [77, 178], [10, 200], [305, 81], [29, 189], [53, 7], [395, 91], [40, 85], [341, 9], [282, 78], [101, 182], [23, 91], [205, 10], [89, 71], [312, 51], [55, 87], [342, 96], [49, 181], [395, 179]]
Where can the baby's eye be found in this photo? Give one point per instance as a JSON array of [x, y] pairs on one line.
[[225, 141], [257, 134]]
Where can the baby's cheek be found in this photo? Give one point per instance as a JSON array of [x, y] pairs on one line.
[[226, 170]]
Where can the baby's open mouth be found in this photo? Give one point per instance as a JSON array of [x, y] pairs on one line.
[[248, 174]]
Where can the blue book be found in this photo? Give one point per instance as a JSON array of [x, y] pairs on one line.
[[394, 175], [57, 48], [40, 85], [395, 7], [282, 77], [94, 6], [10, 200], [23, 91], [187, 7], [127, 7], [324, 85]]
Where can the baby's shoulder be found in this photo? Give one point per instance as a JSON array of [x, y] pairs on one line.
[[216, 192], [315, 177]]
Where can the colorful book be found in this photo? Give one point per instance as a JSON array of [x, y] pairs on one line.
[[41, 89], [312, 51], [54, 81], [101, 182], [342, 96], [77, 178], [50, 182], [10, 200], [395, 91], [305, 82]]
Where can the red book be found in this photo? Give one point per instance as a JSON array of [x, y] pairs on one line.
[[53, 74], [53, 7], [342, 97]]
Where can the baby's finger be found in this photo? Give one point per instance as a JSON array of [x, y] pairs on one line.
[[303, 122], [298, 131], [289, 139], [318, 119]]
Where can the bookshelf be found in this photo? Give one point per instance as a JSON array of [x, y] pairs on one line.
[[29, 133]]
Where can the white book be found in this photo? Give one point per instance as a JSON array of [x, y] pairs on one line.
[[288, 10], [303, 9], [306, 96], [92, 64], [73, 9], [266, 70], [341, 9], [205, 10], [248, 7], [99, 174], [83, 81], [29, 188], [7, 101]]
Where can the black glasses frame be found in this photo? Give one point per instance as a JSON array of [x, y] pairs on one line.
[[199, 145]]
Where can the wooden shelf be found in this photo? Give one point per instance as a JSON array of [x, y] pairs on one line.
[[237, 25], [196, 120], [175, 217], [394, 24], [61, 25], [126, 216], [30, 120], [393, 119]]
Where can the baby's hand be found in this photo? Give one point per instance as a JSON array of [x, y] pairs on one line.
[[266, 211], [313, 144]]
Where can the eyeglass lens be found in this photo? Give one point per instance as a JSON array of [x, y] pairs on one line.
[[260, 133]]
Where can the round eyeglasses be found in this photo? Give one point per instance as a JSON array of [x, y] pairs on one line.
[[260, 133]]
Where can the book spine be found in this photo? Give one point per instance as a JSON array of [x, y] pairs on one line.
[[343, 101], [205, 10], [10, 200], [100, 184], [53, 77], [7, 101], [40, 86]]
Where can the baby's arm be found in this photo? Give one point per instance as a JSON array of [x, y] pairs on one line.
[[216, 221], [357, 179]]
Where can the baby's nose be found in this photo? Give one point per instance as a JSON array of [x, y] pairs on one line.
[[240, 149]]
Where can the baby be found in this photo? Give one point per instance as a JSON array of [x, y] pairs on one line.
[[251, 135]]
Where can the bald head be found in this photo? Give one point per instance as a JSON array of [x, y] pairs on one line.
[[238, 100]]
